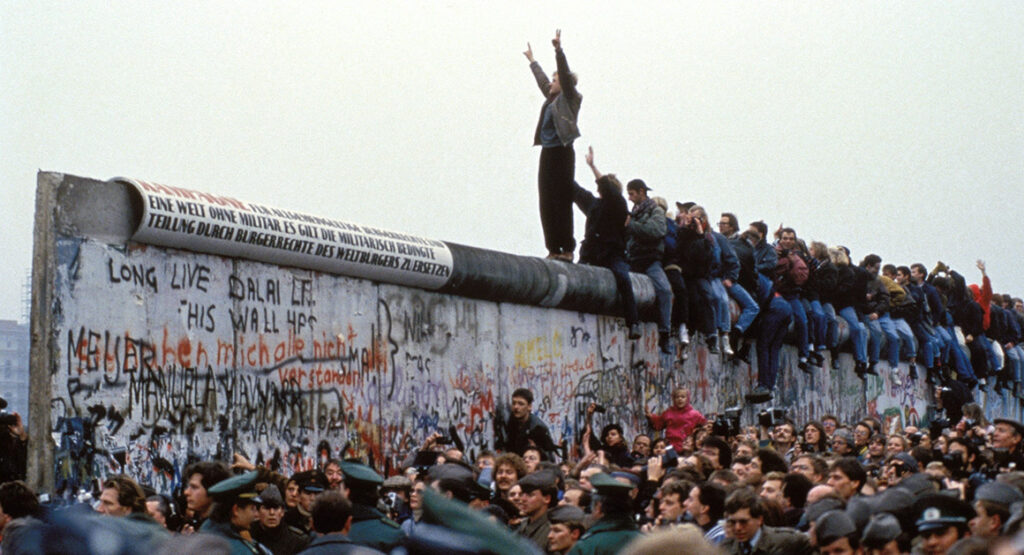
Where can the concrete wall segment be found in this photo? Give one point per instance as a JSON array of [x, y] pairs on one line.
[[146, 358]]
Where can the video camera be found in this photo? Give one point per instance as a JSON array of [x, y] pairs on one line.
[[728, 423], [771, 417], [6, 418]]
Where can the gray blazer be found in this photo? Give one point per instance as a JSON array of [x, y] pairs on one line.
[[566, 105]]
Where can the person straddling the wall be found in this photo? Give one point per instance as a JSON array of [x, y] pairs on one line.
[[645, 247], [604, 241], [520, 428], [555, 133]]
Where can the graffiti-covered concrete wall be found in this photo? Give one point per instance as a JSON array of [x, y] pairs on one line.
[[147, 358]]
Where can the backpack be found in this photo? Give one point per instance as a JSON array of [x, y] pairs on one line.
[[797, 272]]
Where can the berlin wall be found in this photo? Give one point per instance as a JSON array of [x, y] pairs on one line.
[[171, 326]]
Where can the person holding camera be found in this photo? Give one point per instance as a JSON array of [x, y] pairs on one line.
[[679, 420], [13, 445]]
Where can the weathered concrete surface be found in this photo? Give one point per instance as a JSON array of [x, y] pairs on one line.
[[150, 357]]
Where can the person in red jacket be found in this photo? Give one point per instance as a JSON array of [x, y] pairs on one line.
[[679, 420]]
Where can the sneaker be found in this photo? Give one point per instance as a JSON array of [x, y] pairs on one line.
[[895, 374], [802, 365], [759, 395], [634, 332], [684, 354], [684, 336], [726, 345]]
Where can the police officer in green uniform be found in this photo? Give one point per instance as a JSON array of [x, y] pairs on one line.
[[613, 509], [370, 527], [235, 508]]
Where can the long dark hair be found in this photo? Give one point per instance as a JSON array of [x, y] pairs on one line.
[[822, 445]]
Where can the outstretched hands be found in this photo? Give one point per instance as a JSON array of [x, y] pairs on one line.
[[557, 41], [529, 53], [981, 266], [590, 156]]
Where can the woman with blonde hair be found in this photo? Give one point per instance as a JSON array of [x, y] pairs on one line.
[[851, 286]]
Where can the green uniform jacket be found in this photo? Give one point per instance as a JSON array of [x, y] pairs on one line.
[[371, 528], [239, 546], [606, 537]]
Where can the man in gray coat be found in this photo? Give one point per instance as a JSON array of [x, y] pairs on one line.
[[556, 130]]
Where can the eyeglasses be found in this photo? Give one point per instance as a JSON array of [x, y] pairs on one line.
[[737, 521]]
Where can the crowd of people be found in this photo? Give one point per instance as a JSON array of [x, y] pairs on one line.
[[919, 316], [688, 484]]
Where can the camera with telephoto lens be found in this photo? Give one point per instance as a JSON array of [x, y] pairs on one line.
[[727, 424], [771, 417]]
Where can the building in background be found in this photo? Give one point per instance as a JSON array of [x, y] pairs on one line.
[[14, 350]]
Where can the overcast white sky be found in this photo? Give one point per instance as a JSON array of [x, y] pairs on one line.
[[890, 127]]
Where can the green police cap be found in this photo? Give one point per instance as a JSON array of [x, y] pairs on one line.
[[606, 485], [360, 476], [236, 488], [473, 525]]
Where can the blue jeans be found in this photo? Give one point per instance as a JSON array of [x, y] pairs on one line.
[[748, 306], [874, 338], [929, 342], [720, 303], [832, 332], [858, 334], [945, 341], [892, 339], [799, 323], [1013, 363], [663, 292], [907, 343], [775, 322], [961, 357], [990, 353], [819, 324], [620, 269]]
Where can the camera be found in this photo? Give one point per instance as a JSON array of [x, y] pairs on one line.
[[600, 408], [669, 460], [955, 463], [727, 424], [769, 418], [6, 418]]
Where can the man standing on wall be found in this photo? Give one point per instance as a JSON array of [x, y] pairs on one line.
[[556, 130]]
